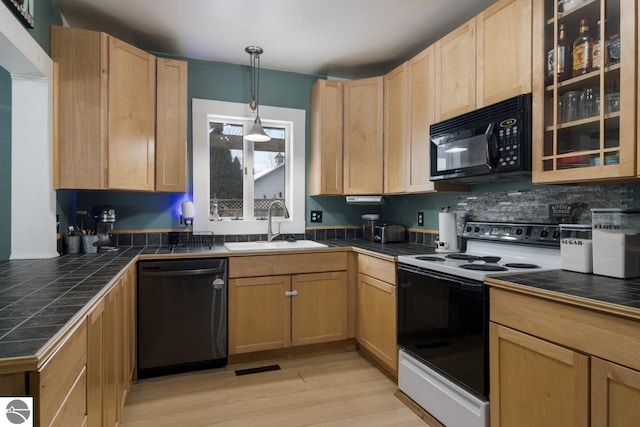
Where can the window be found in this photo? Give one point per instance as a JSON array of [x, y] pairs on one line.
[[236, 180]]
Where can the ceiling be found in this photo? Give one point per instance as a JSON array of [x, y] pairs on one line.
[[337, 38]]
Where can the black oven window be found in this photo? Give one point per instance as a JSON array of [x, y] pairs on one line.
[[445, 325]]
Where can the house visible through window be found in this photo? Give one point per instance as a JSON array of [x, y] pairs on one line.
[[236, 180]]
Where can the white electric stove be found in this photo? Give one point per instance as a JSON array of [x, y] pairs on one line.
[[443, 315], [496, 248]]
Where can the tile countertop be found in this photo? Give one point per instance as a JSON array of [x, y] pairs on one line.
[[38, 297]]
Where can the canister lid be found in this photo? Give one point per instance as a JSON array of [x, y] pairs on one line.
[[615, 211], [576, 227]]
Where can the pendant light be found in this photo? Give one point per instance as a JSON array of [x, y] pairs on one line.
[[256, 133]]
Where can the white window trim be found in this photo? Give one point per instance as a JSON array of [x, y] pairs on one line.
[[202, 109]]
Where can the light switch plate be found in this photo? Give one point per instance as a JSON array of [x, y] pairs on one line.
[[421, 219], [316, 216]]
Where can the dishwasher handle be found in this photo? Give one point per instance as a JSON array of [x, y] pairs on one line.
[[194, 272]]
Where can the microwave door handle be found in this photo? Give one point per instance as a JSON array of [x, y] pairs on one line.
[[491, 143]]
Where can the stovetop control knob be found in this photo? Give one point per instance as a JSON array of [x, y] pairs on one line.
[[469, 228], [477, 229], [544, 233], [518, 231], [556, 234]]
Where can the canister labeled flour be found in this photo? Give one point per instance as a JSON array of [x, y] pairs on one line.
[[616, 242]]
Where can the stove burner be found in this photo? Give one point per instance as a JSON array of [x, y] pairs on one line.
[[521, 265], [483, 267], [430, 258], [464, 257], [467, 257]]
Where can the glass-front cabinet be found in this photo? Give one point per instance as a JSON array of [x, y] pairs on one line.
[[585, 90]]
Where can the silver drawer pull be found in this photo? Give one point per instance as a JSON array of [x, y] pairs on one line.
[[290, 293]]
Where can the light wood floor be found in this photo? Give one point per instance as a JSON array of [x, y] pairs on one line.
[[341, 389]]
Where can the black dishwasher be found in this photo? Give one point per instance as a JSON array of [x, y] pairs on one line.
[[182, 315]]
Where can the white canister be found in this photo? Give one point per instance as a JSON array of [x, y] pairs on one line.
[[616, 242], [576, 248]]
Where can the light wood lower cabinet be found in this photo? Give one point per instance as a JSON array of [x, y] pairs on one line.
[[281, 311], [57, 384], [111, 351], [615, 398], [536, 383], [376, 307], [557, 364], [272, 307]]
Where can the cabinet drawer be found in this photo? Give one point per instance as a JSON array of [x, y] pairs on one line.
[[53, 383], [607, 336], [74, 409], [379, 268], [274, 265]]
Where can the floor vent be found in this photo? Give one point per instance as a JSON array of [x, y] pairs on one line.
[[257, 370]]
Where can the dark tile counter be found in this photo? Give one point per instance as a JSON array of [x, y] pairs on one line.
[[38, 297], [588, 289]]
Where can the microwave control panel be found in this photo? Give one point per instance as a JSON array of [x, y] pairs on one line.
[[508, 143]]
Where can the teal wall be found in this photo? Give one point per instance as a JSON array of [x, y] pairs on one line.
[[45, 15], [5, 164]]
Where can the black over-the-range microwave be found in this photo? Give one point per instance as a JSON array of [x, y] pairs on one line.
[[490, 143]]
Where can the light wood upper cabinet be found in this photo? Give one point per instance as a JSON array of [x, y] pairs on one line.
[[106, 113], [504, 34], [131, 131], [455, 61], [396, 131], [485, 60], [588, 144], [171, 125], [363, 136], [82, 58], [325, 158]]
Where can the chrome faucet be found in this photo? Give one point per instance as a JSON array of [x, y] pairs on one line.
[[270, 234]]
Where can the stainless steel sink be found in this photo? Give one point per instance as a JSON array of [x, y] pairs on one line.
[[273, 245]]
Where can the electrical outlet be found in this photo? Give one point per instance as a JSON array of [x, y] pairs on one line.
[[421, 219], [316, 216]]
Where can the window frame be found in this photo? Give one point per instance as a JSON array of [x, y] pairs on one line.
[[203, 111]]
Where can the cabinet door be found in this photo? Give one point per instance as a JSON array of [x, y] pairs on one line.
[[95, 365], [111, 353], [259, 314], [536, 383], [132, 112], [82, 58], [171, 125], [376, 327], [319, 309], [456, 72], [325, 158], [503, 51], [363, 136], [584, 127], [615, 392], [396, 110]]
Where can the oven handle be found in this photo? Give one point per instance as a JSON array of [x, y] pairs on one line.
[[461, 281]]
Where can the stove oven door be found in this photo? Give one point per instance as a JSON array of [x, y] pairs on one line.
[[443, 321]]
